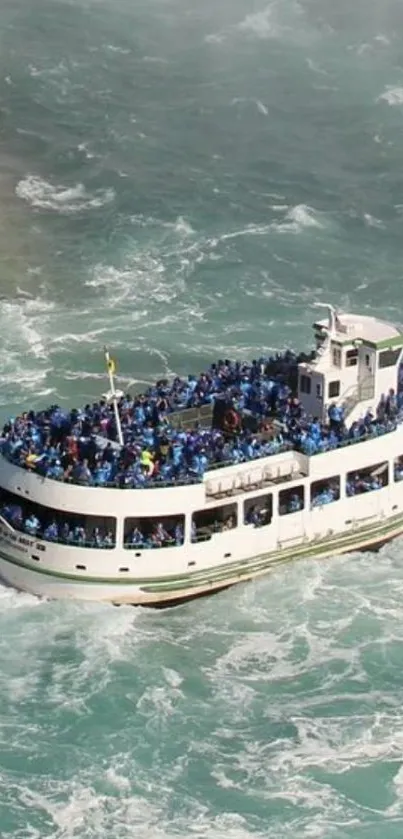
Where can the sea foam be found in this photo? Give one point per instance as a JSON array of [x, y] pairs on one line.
[[392, 95], [61, 199]]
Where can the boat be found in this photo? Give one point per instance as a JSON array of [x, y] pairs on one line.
[[204, 482]]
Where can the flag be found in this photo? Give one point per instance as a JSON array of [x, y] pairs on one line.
[[111, 366]]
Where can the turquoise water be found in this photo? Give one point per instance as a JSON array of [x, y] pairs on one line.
[[181, 181]]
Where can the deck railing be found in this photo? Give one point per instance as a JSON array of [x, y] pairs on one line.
[[191, 480]]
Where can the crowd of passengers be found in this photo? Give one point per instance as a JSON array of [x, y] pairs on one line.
[[66, 446], [28, 522], [159, 536]]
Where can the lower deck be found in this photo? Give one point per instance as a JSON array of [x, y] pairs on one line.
[[172, 590]]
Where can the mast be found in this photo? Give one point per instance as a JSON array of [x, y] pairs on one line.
[[111, 368]]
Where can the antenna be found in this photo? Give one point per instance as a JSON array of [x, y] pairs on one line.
[[332, 316]]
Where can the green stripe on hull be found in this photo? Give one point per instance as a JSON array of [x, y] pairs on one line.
[[242, 568]]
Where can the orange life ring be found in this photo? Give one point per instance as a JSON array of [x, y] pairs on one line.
[[231, 420]]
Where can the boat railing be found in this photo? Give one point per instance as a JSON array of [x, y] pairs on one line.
[[358, 393], [191, 480], [146, 546], [77, 543], [188, 417]]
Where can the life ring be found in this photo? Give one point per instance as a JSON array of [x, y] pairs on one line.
[[231, 420]]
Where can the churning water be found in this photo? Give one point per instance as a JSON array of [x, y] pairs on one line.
[[182, 180]]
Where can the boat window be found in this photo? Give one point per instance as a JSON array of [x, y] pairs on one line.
[[398, 468], [258, 511], [336, 357], [205, 523], [305, 384], [334, 389], [368, 479], [52, 525], [324, 492], [351, 358], [291, 500], [154, 532], [389, 358]]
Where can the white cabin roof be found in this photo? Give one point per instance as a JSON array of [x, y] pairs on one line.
[[349, 327]]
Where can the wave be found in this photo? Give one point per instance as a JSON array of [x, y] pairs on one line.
[[297, 219], [281, 695], [61, 199], [262, 24], [261, 107], [22, 325], [392, 95], [269, 23]]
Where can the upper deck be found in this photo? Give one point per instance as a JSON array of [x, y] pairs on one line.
[[176, 432]]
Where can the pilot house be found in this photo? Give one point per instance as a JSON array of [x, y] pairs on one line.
[[357, 360]]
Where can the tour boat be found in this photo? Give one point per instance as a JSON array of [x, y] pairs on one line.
[[211, 480]]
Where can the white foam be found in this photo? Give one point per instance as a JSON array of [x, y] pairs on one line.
[[261, 24], [382, 39], [183, 226], [22, 325], [392, 95], [276, 20], [249, 230], [12, 599], [261, 107], [315, 67], [142, 279], [119, 50], [42, 194], [299, 218], [83, 147], [371, 221]]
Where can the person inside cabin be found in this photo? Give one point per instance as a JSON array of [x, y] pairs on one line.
[[362, 482], [136, 537], [79, 535], [108, 540], [160, 535], [179, 534], [295, 503], [230, 522], [51, 532], [96, 538], [326, 494], [253, 516], [14, 514], [32, 524]]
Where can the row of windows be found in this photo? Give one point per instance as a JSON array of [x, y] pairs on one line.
[[169, 531], [305, 386], [351, 358], [386, 358]]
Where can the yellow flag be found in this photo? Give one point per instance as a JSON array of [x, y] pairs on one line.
[[111, 366]]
